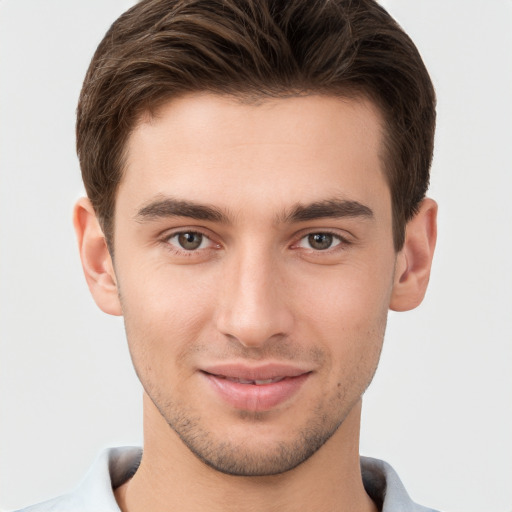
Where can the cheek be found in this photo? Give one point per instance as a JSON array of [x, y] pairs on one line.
[[165, 296], [350, 298], [164, 315], [347, 317]]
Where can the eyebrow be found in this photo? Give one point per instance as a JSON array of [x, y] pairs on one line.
[[170, 207], [330, 208]]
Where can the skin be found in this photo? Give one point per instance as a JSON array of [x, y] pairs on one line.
[[254, 235]]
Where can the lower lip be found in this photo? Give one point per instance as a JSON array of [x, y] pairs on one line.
[[253, 397]]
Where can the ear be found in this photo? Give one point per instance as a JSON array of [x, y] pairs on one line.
[[412, 270], [96, 261]]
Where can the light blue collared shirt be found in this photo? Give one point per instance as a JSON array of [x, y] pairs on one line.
[[116, 465]]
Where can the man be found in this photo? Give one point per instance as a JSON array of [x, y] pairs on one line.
[[256, 175]]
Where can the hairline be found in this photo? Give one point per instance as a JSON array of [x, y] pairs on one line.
[[248, 96]]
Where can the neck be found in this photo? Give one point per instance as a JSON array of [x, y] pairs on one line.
[[170, 477]]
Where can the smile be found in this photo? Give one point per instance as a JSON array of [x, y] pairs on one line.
[[260, 382], [255, 389]]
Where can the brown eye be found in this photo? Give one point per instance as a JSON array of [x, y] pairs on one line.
[[320, 241], [189, 240]]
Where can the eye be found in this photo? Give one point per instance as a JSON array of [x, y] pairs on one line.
[[189, 240], [319, 241]]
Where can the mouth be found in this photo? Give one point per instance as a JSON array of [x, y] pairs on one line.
[[257, 382], [255, 389]]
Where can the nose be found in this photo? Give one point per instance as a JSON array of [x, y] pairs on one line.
[[253, 305]]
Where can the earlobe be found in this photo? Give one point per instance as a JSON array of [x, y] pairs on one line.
[[414, 261], [96, 260]]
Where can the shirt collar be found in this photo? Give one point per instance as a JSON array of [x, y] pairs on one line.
[[116, 465]]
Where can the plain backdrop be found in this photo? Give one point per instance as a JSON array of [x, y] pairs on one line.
[[440, 408]]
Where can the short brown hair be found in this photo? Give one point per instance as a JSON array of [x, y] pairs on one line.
[[254, 49]]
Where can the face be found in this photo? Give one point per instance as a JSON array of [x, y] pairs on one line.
[[254, 261]]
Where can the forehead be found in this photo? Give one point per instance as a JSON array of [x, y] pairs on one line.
[[276, 152]]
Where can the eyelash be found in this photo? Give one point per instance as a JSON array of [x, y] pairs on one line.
[[342, 242], [174, 249]]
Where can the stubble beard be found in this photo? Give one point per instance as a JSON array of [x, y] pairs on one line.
[[237, 459], [319, 424]]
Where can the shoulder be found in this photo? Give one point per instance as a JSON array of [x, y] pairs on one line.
[[385, 488], [95, 493], [58, 504]]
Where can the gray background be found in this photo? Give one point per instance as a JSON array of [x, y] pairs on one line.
[[440, 409]]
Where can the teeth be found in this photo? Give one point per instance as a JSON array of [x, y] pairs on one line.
[[256, 382], [260, 382]]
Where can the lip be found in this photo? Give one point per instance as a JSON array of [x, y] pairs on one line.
[[255, 388]]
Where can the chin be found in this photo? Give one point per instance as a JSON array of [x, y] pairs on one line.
[[255, 447]]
